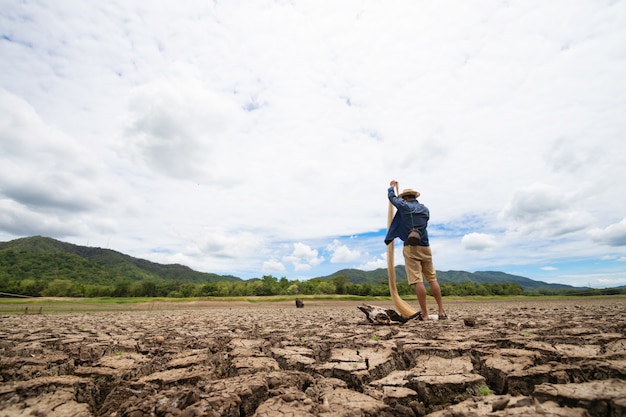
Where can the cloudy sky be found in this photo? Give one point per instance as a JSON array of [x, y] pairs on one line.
[[259, 138]]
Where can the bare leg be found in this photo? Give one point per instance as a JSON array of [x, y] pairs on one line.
[[420, 291], [436, 290]]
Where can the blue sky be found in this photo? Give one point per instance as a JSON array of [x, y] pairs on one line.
[[260, 138]]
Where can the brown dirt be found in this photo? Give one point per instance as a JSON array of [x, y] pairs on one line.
[[538, 356]]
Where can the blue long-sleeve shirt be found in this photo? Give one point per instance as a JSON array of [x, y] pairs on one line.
[[402, 222]]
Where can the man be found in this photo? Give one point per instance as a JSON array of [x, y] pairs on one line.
[[418, 259]]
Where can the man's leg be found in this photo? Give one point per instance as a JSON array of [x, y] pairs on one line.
[[436, 290], [413, 266], [430, 275], [420, 291]]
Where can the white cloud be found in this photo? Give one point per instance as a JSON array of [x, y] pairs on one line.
[[50, 183], [612, 235], [303, 257], [377, 263], [528, 203], [180, 128], [342, 253], [273, 267], [478, 241], [260, 126], [545, 210]]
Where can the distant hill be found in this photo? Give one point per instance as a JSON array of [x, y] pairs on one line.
[[357, 276], [46, 258], [43, 256]]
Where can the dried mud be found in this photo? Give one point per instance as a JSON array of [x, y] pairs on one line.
[[537, 357]]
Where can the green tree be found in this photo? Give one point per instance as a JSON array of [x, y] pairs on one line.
[[404, 288], [514, 288], [121, 288], [341, 284], [187, 290], [95, 290], [148, 288], [208, 290], [293, 289], [31, 287], [309, 287], [241, 289], [269, 286], [282, 286], [325, 287], [448, 289], [58, 288]]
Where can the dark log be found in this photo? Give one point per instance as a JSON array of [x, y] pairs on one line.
[[380, 315]]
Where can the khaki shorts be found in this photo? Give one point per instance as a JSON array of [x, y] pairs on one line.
[[418, 261]]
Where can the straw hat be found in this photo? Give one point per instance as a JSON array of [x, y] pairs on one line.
[[408, 191]]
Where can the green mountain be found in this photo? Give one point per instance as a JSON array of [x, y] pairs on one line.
[[357, 276], [46, 259]]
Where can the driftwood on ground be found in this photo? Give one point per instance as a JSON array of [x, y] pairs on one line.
[[380, 315]]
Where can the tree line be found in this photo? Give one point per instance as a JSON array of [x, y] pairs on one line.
[[266, 286], [69, 275]]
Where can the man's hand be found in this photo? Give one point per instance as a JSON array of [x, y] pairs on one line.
[[393, 183]]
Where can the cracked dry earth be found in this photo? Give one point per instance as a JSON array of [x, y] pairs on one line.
[[538, 357]]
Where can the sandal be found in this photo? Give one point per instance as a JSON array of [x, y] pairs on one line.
[[443, 317]]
